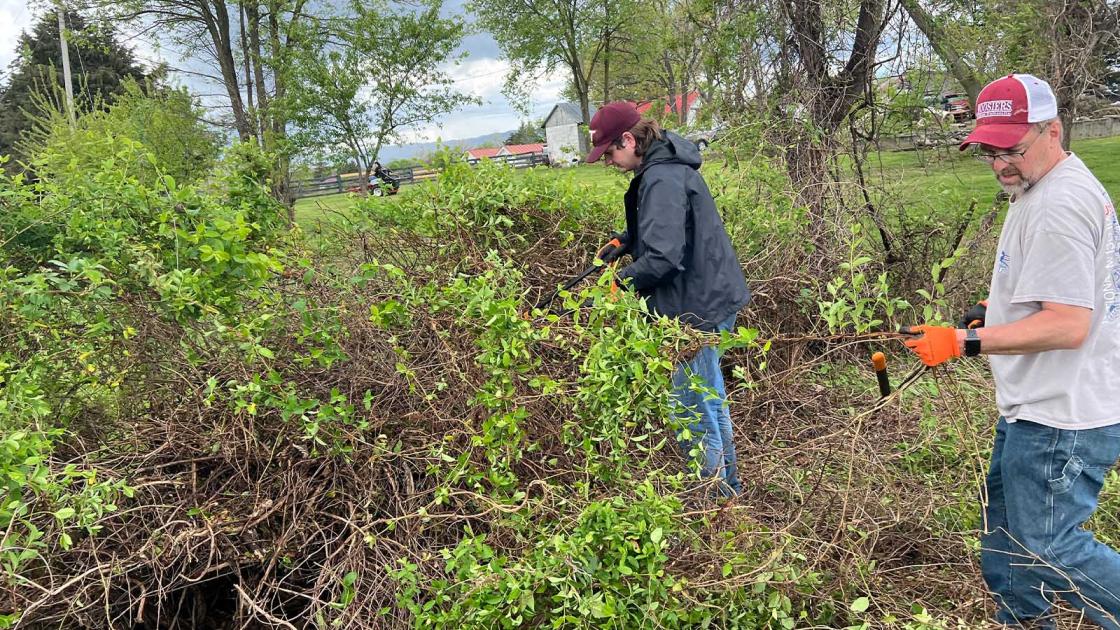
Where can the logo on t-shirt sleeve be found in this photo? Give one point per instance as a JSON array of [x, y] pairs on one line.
[[1003, 264], [1112, 266]]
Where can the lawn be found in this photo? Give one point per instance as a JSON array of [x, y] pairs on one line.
[[943, 180], [312, 211], [313, 214], [935, 172]]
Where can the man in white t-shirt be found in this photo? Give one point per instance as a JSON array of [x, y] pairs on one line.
[[1053, 330]]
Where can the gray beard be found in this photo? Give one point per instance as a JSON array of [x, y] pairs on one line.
[[1017, 190]]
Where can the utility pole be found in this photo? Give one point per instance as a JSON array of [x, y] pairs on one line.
[[66, 66]]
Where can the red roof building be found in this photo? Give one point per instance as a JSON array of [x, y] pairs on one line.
[[689, 100], [478, 154], [521, 149]]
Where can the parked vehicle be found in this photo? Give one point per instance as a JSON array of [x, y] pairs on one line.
[[932, 105], [705, 137], [958, 106]]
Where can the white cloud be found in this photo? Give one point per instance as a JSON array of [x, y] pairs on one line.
[[15, 17], [551, 85], [484, 78]]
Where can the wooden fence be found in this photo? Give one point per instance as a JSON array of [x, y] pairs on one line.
[[340, 183]]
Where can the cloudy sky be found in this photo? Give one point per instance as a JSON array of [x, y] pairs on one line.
[[482, 74]]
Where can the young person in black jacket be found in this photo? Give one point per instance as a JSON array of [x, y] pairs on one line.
[[683, 264]]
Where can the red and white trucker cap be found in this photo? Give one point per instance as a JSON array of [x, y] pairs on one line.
[[1006, 108]]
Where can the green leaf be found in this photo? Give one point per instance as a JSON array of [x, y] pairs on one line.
[[860, 605], [350, 578]]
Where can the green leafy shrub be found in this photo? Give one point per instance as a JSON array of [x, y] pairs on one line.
[[392, 436], [145, 231], [165, 122], [611, 567], [759, 209], [100, 242], [496, 207]]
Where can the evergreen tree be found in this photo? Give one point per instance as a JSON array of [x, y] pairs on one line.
[[98, 64], [527, 133]]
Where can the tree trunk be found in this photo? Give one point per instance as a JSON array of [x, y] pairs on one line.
[[278, 132], [252, 10], [807, 165], [572, 58], [960, 69], [584, 104], [1079, 34], [246, 58], [579, 81], [607, 70], [828, 100], [670, 80], [1066, 116], [216, 19]]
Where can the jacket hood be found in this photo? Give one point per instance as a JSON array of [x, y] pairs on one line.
[[671, 149]]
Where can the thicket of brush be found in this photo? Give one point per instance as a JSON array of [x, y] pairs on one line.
[[207, 424]]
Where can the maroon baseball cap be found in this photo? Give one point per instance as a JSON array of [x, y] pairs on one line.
[[1006, 108], [608, 124]]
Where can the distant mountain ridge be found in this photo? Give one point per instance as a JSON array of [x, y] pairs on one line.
[[420, 149]]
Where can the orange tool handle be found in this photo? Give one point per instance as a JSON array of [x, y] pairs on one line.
[[879, 362]]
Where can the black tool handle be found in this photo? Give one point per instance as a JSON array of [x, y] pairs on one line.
[[610, 255], [884, 383]]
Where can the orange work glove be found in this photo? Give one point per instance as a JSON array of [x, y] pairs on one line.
[[609, 251], [935, 345]]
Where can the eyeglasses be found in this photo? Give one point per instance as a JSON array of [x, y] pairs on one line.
[[1010, 157]]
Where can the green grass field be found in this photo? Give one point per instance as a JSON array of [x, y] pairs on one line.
[[942, 179], [310, 211], [932, 172], [314, 214]]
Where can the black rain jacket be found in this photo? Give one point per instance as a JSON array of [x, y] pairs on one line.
[[683, 262]]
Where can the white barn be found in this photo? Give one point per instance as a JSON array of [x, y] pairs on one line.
[[566, 138]]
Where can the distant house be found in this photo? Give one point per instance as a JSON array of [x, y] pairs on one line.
[[474, 155], [521, 149], [566, 141], [691, 103]]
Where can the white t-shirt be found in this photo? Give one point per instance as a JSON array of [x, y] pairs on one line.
[[1060, 243]]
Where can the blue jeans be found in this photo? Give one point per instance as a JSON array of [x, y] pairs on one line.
[[706, 414], [1042, 486]]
